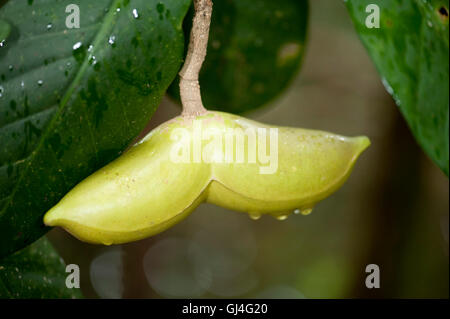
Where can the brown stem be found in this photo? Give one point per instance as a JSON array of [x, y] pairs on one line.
[[189, 86]]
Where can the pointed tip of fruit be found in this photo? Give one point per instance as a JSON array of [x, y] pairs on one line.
[[51, 218], [363, 143]]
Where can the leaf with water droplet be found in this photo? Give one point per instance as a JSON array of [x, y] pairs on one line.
[[410, 51], [60, 134], [35, 272]]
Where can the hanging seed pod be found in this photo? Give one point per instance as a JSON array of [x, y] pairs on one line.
[[203, 156]]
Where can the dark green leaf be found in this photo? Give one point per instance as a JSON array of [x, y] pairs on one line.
[[410, 50], [255, 49], [36, 271], [5, 29], [72, 99]]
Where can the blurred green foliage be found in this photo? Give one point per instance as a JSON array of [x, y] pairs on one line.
[[254, 52]]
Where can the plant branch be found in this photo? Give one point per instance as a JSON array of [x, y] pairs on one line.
[[189, 86]]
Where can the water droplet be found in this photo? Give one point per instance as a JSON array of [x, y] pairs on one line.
[[79, 52], [254, 215], [77, 45], [1, 90], [92, 60], [281, 217], [160, 7], [387, 86], [2, 43], [11, 68], [22, 84], [90, 48], [118, 10], [135, 14], [40, 82], [49, 26], [430, 24], [297, 211], [307, 211], [112, 39]]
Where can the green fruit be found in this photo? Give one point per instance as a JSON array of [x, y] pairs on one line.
[[150, 188]]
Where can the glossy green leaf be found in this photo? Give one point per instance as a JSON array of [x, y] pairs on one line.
[[411, 50], [5, 29], [72, 99], [36, 271], [255, 50]]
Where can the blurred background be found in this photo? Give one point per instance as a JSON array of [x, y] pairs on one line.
[[393, 210]]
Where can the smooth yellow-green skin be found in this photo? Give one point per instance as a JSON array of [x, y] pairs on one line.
[[144, 192]]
